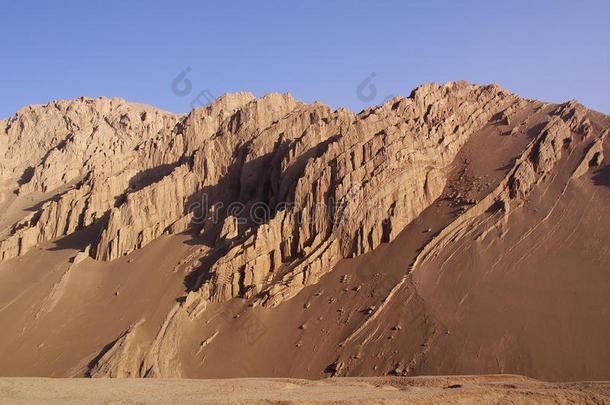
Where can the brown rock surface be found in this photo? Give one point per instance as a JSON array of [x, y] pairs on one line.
[[260, 215]]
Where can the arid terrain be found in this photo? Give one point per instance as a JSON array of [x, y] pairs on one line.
[[372, 390], [462, 230]]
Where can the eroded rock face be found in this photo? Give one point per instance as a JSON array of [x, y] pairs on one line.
[[347, 192], [67, 139], [281, 189], [273, 193]]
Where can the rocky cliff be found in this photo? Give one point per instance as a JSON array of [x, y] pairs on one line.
[[274, 193], [304, 185]]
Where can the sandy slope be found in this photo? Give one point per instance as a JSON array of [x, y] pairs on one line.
[[389, 390]]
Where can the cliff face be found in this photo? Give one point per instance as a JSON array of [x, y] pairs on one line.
[[314, 185], [274, 193], [72, 160]]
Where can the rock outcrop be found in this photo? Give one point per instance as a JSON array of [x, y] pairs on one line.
[[270, 195], [281, 189]]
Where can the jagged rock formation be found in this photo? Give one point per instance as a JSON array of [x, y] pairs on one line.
[[326, 184], [82, 153], [274, 192]]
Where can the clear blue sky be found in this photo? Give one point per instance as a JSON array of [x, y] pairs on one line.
[[318, 50]]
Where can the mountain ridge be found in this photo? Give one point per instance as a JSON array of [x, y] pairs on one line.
[[271, 197]]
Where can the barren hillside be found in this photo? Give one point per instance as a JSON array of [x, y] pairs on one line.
[[460, 230]]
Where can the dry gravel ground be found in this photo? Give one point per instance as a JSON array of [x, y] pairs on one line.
[[491, 389]]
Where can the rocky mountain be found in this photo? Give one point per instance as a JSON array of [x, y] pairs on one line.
[[462, 229]]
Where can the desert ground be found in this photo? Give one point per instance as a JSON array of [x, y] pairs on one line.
[[342, 390]]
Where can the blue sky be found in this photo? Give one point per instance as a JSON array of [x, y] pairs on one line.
[[318, 50]]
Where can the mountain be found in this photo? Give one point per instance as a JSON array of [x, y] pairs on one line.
[[460, 230]]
